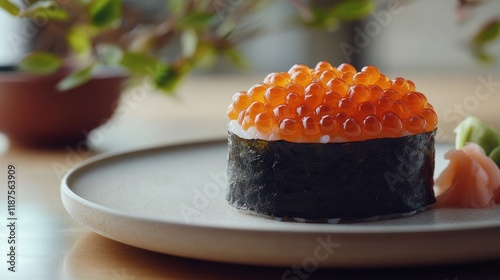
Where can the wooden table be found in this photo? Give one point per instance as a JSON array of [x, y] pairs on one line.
[[51, 245]]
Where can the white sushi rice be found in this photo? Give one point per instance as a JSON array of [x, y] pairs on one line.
[[252, 133]]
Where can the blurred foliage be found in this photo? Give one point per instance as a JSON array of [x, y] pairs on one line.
[[486, 35], [85, 35], [489, 33]]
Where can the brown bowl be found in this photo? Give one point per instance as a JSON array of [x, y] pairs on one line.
[[33, 112]]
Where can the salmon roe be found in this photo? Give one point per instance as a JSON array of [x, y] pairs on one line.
[[332, 104]]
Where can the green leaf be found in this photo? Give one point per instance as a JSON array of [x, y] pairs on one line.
[[322, 20], [48, 9], [40, 62], [76, 78], [57, 14], [176, 6], [348, 10], [318, 14], [139, 63], [105, 12], [79, 41], [166, 78], [9, 7], [196, 20], [488, 33], [482, 55]]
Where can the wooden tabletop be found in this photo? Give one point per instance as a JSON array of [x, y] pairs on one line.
[[51, 245]]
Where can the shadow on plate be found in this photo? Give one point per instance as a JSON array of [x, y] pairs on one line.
[[97, 257]]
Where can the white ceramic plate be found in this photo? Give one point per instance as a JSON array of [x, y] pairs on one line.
[[172, 200]]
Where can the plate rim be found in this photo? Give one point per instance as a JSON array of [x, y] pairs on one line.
[[68, 195]]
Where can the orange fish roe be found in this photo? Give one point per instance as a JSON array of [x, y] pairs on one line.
[[332, 104]]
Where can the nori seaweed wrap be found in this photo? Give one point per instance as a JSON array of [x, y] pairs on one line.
[[328, 143], [315, 181]]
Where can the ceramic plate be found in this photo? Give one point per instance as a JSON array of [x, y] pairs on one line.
[[172, 200]]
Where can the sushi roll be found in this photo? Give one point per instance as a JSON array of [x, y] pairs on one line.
[[330, 143]]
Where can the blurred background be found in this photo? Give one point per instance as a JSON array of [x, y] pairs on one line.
[[422, 35], [426, 41]]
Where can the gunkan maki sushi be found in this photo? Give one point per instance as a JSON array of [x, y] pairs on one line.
[[329, 143]]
